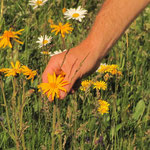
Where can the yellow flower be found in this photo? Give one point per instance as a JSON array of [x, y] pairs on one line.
[[85, 84], [7, 36], [54, 85], [28, 72], [112, 69], [61, 28], [64, 10], [103, 68], [100, 85], [104, 106], [14, 70]]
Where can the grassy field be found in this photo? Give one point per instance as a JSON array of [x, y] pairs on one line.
[[29, 121]]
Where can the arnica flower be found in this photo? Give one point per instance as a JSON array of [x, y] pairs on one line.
[[103, 68], [37, 3], [113, 69], [77, 14], [44, 40], [104, 106], [85, 85], [100, 85], [14, 71], [54, 85], [28, 72], [63, 29], [7, 36]]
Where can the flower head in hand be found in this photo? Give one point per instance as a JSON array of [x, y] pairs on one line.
[[54, 86]]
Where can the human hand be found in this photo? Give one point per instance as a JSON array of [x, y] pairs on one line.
[[78, 62]]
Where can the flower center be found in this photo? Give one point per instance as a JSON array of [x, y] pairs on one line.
[[53, 85], [39, 2], [45, 42], [75, 15]]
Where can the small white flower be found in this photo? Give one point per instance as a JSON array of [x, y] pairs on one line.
[[57, 52], [37, 3], [77, 14], [44, 40], [102, 64]]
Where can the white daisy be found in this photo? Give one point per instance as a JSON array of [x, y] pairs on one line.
[[44, 40], [77, 14], [37, 3]]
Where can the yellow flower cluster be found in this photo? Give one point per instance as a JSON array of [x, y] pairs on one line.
[[113, 69], [97, 85], [54, 86], [104, 106], [17, 69]]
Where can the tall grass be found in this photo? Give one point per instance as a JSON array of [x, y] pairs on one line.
[[29, 121]]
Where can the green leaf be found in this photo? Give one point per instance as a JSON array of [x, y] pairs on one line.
[[139, 110]]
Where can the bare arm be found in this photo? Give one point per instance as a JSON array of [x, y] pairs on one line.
[[114, 17], [111, 21]]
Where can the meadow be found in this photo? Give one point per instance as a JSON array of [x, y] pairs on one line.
[[29, 121]]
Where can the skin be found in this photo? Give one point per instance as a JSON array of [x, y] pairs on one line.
[[112, 20]]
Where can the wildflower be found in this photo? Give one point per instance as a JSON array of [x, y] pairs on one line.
[[14, 70], [7, 36], [37, 3], [54, 85], [77, 14], [64, 10], [44, 40], [61, 28], [85, 84], [113, 69], [104, 106], [103, 68], [45, 53], [100, 85], [28, 72]]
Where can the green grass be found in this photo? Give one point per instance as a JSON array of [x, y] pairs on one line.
[[76, 124]]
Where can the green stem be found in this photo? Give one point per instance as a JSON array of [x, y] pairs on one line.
[[63, 43], [6, 108], [2, 6], [59, 126], [53, 126], [14, 115], [21, 116]]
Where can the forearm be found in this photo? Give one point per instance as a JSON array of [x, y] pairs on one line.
[[113, 18]]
